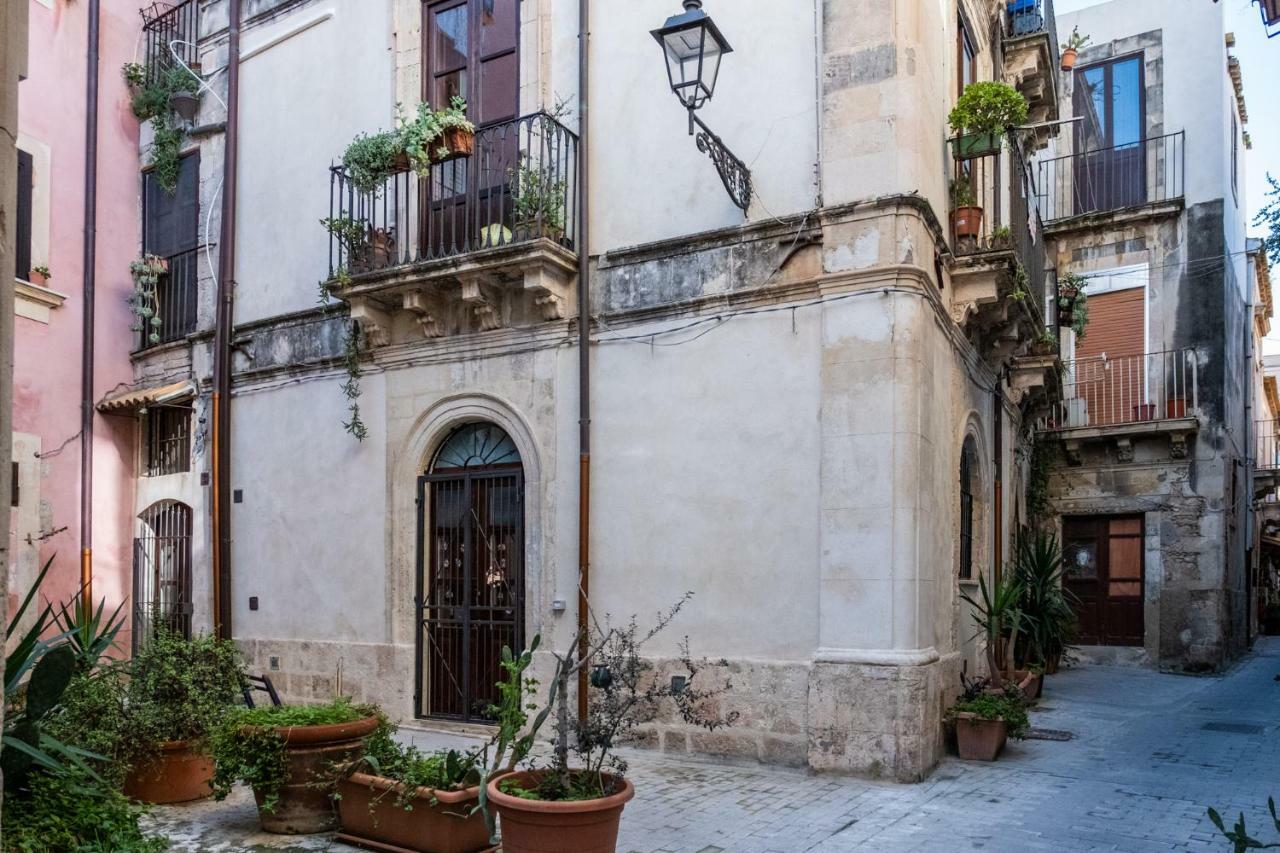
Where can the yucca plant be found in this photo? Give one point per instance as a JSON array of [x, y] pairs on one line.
[[85, 629], [996, 611], [1048, 617]]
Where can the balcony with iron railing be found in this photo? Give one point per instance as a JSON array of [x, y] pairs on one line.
[[1266, 459], [494, 232], [1032, 57], [174, 303], [1124, 397], [1144, 174], [170, 29]]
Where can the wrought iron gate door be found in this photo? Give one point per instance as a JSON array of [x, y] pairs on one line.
[[162, 571], [471, 586]]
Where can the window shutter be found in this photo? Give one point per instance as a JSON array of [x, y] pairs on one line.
[[22, 231], [171, 221]]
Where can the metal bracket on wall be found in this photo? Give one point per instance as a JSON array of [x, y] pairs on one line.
[[734, 173]]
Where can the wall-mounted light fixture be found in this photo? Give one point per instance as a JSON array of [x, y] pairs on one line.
[[693, 46]]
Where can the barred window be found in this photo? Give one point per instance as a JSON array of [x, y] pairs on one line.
[[166, 440], [967, 464]]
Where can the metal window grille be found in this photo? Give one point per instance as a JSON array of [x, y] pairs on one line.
[[162, 571], [170, 28], [966, 512], [167, 448]]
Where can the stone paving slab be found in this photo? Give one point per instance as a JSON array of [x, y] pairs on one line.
[[1151, 751]]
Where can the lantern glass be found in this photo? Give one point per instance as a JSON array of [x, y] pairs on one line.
[[693, 47]]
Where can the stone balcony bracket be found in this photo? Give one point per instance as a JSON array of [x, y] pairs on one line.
[[1125, 436], [982, 306], [509, 286], [1031, 379], [1031, 66]]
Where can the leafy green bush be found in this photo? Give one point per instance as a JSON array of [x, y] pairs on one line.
[[69, 810], [246, 747], [988, 107], [151, 103], [996, 706], [370, 158]]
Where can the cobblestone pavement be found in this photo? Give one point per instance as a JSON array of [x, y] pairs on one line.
[[1150, 753]]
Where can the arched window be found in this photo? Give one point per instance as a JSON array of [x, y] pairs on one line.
[[968, 473], [471, 586], [162, 570]]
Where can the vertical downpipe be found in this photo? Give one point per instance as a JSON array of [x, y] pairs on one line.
[[89, 264], [221, 504], [997, 495], [584, 342]]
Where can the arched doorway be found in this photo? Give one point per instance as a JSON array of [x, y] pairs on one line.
[[162, 570], [470, 597]]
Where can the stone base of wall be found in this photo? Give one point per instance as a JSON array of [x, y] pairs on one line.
[[868, 720]]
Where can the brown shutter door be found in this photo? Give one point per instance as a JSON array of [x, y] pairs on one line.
[[1114, 388], [1117, 324], [22, 228]]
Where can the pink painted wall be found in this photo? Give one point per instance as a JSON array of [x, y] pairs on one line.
[[47, 370]]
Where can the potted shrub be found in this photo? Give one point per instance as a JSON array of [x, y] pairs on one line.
[[997, 615], [983, 113], [1072, 48], [1048, 615], [966, 215], [576, 806], [289, 755], [398, 798], [984, 722], [372, 158], [363, 244], [436, 136], [1045, 344], [538, 202], [1074, 302]]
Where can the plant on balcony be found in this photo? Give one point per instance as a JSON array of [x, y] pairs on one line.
[[966, 215], [39, 275], [151, 102], [983, 113], [1071, 49], [435, 136], [1001, 237], [1073, 302], [355, 237], [145, 300], [371, 158], [538, 201]]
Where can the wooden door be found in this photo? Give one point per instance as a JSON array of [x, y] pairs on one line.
[[1104, 571], [471, 51]]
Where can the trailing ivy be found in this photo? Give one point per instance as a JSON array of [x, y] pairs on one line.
[[151, 103], [1038, 479], [351, 387]]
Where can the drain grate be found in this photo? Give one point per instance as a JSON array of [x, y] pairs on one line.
[[1235, 728], [1048, 734]]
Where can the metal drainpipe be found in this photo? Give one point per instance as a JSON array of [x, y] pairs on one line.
[[584, 341], [86, 362], [997, 549], [221, 506]]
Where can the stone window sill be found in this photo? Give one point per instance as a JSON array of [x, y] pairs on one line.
[[35, 301]]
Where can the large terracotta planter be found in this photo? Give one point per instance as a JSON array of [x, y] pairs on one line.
[[178, 774], [966, 222], [1069, 55], [978, 739], [440, 821], [311, 752], [535, 826]]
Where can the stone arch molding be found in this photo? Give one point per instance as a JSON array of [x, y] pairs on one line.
[[415, 453]]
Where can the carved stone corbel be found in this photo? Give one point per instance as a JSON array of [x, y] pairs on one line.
[[1178, 445], [485, 304], [1124, 448], [375, 323], [549, 285], [1071, 448], [428, 310]]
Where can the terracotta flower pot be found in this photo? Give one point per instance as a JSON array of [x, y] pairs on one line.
[[1069, 55], [1175, 407], [979, 739], [440, 821], [459, 142], [1144, 412], [966, 222], [1025, 680], [178, 774], [39, 278], [310, 754], [537, 826]]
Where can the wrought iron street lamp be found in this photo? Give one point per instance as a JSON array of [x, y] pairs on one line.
[[693, 46]]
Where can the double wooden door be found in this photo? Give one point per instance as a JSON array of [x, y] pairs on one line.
[[1103, 569]]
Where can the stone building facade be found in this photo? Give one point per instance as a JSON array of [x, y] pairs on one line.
[[813, 414], [1149, 446]]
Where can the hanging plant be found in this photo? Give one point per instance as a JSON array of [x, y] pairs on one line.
[[434, 136], [1074, 302], [351, 387], [151, 102], [145, 301]]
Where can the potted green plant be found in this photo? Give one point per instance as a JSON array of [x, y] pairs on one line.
[[291, 756], [1047, 607], [996, 613], [151, 716], [966, 215], [983, 113], [575, 806], [985, 720], [367, 248], [1073, 301], [538, 202], [145, 299], [39, 275], [397, 797], [1071, 49], [371, 158], [436, 136]]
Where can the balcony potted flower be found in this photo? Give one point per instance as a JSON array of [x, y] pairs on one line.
[[291, 755], [538, 202], [436, 136], [575, 806], [1073, 302], [372, 158], [397, 798], [983, 114], [39, 275], [1071, 50], [966, 215]]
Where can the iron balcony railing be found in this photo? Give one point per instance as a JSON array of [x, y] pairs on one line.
[[1002, 188], [169, 29], [1028, 17], [1267, 445], [518, 185], [1102, 391], [1108, 179], [176, 297]]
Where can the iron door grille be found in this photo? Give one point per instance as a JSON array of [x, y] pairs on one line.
[[162, 571], [470, 598]]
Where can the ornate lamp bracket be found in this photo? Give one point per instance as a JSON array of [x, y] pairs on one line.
[[734, 173]]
